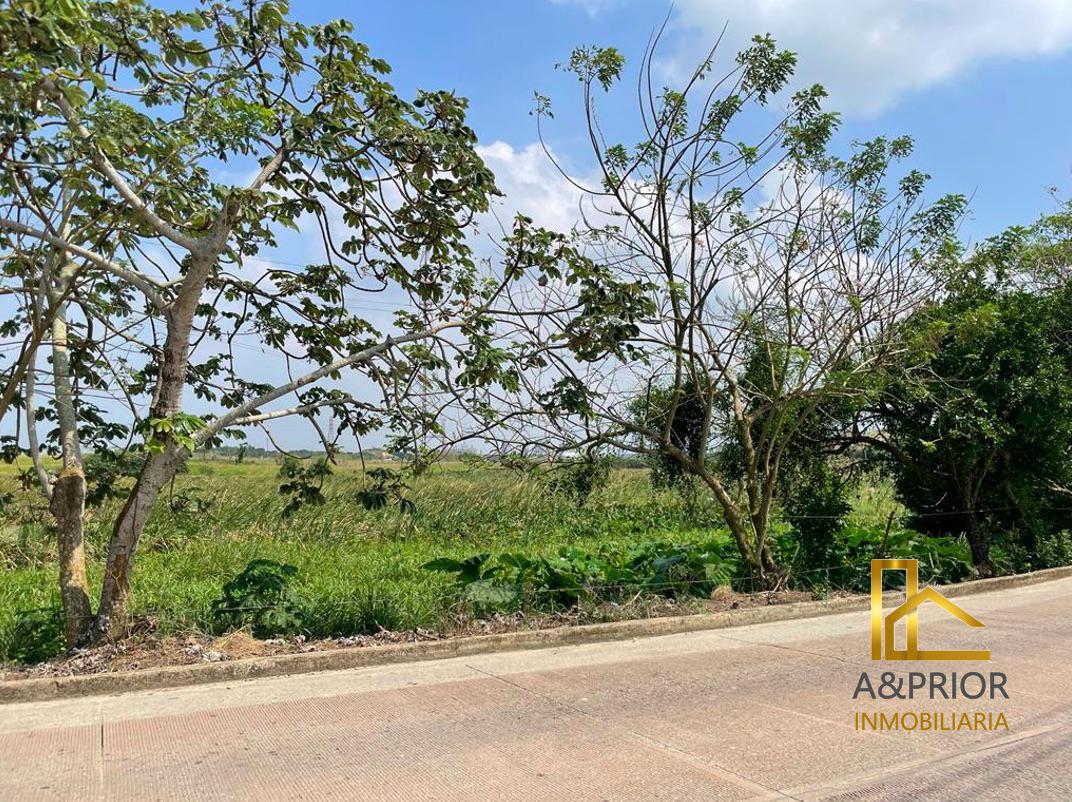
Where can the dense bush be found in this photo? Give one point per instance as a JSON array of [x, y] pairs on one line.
[[1051, 549], [816, 507], [577, 479], [975, 423], [261, 598], [510, 581], [941, 559], [609, 573]]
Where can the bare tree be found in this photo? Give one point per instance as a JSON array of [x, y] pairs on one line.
[[722, 294]]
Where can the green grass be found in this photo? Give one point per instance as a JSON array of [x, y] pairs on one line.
[[358, 569]]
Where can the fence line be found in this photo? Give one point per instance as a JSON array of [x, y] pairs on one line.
[[622, 586]]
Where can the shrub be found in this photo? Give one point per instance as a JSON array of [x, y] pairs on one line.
[[261, 598], [611, 573], [816, 508], [1055, 549], [1051, 549], [34, 636], [941, 559], [301, 485], [578, 479], [106, 471]]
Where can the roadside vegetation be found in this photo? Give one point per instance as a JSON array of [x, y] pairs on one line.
[[357, 571], [756, 361]]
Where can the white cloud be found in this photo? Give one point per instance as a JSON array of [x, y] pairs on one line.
[[592, 7], [532, 185], [870, 53]]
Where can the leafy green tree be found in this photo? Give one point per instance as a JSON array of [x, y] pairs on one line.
[[976, 417], [810, 488], [813, 475], [146, 158]]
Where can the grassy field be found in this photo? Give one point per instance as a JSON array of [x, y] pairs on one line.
[[358, 570]]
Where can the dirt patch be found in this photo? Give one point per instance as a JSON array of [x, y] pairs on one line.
[[725, 598], [138, 652], [143, 648]]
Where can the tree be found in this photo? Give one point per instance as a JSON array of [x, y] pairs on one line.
[[976, 418], [713, 252], [146, 158], [809, 488]]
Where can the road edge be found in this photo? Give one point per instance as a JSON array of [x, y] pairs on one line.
[[49, 688]]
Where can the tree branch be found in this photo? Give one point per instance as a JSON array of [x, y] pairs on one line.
[[233, 417], [299, 410], [103, 164], [147, 286]]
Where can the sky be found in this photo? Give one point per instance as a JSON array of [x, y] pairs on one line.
[[982, 86]]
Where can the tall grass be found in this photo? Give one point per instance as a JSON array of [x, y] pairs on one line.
[[358, 569]]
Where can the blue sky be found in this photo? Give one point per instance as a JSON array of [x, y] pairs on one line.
[[982, 87]]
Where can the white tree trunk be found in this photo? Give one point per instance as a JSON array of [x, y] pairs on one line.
[[69, 491]]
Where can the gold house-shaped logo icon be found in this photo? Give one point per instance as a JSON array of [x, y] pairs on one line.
[[882, 629]]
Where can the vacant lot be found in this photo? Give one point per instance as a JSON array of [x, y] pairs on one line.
[[358, 570]]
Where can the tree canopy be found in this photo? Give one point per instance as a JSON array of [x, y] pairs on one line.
[[976, 417], [147, 158]]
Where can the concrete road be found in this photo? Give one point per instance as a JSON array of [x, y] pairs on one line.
[[760, 712]]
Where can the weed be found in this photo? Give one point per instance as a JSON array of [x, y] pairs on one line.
[[34, 636], [355, 575], [573, 575], [261, 598]]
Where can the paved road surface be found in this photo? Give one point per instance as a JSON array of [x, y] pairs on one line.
[[759, 712]]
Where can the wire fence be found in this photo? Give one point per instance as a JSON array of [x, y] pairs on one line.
[[594, 590], [943, 513], [570, 590]]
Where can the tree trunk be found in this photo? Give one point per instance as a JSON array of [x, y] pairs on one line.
[[772, 572], [758, 559], [1028, 536], [159, 467], [752, 543], [979, 542], [68, 501], [68, 508], [769, 575], [735, 522], [157, 472]]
